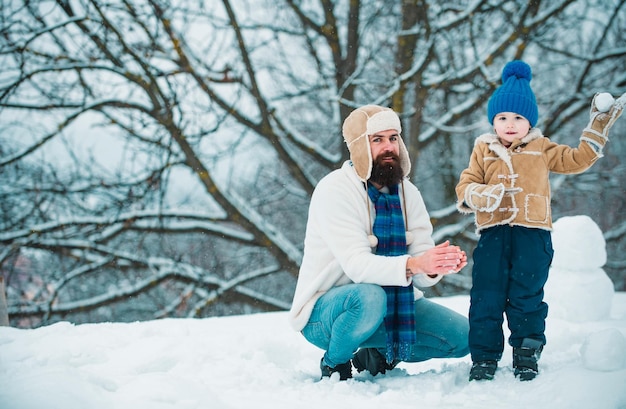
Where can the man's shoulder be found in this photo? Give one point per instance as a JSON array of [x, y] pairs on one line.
[[338, 182], [330, 179], [344, 174]]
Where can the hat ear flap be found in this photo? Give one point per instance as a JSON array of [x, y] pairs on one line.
[[405, 162], [361, 157]]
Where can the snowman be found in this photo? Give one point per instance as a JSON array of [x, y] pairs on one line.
[[578, 289]]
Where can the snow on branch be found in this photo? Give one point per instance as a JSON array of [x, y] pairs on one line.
[[294, 135], [294, 254], [434, 129], [616, 232], [452, 230], [175, 220], [162, 269], [235, 284]]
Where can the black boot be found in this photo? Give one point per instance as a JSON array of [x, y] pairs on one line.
[[483, 370], [344, 370], [372, 360], [525, 359]]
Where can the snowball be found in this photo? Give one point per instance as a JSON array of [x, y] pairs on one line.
[[578, 244], [604, 101], [604, 351]]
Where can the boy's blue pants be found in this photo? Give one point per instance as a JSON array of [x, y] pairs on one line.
[[511, 266]]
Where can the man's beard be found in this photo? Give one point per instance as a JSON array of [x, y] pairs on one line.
[[387, 174]]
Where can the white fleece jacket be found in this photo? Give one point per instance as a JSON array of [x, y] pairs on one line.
[[336, 246]]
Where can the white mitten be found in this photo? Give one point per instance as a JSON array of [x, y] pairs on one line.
[[484, 198], [601, 122]]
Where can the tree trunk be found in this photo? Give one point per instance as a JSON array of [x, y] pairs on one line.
[[4, 312]]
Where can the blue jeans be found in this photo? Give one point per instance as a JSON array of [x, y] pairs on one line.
[[351, 316]]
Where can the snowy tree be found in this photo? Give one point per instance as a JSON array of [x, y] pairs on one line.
[[157, 158]]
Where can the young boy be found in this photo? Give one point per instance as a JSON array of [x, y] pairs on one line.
[[506, 185]]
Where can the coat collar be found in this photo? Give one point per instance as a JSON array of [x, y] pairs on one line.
[[496, 146], [492, 138]]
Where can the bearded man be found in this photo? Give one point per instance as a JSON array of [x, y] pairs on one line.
[[368, 246]]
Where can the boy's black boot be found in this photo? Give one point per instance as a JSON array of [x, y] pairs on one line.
[[525, 359], [344, 370], [372, 360], [483, 370]]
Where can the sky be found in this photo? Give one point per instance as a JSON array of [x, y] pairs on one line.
[[258, 361]]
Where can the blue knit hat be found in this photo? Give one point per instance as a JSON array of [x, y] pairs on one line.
[[515, 94]]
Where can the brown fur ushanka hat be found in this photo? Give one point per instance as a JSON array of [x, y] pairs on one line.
[[365, 121]]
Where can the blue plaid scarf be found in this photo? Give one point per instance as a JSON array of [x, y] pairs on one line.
[[390, 231]]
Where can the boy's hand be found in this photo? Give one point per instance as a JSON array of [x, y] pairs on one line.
[[599, 122], [484, 198]]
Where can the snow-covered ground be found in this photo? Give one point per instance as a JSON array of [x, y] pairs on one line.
[[257, 361]]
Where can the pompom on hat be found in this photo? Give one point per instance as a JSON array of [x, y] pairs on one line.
[[515, 94], [359, 125]]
